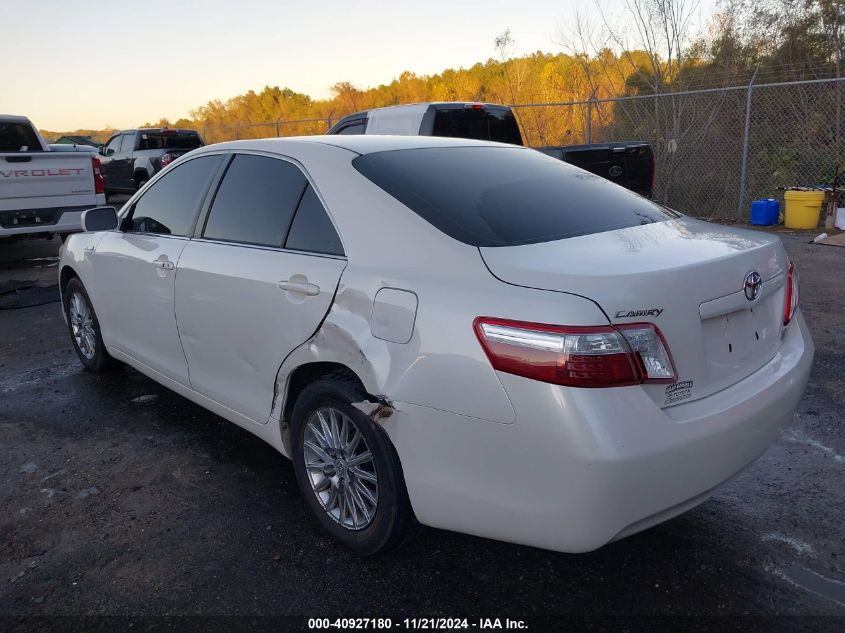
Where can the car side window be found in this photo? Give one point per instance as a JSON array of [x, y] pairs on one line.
[[312, 230], [356, 127], [128, 143], [170, 205], [113, 145], [255, 201]]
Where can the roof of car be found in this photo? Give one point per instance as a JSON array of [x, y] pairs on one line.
[[358, 143], [155, 130], [456, 104], [14, 117]]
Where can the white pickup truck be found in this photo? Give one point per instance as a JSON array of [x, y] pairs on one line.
[[43, 192]]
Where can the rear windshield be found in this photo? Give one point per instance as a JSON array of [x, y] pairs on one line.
[[500, 196], [18, 137], [484, 124], [169, 141]]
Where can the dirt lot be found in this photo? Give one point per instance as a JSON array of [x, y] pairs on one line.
[[121, 498]]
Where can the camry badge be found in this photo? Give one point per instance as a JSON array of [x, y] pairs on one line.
[[753, 285]]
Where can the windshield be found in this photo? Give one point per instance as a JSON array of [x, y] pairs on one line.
[[500, 196], [18, 137], [484, 124], [169, 140]]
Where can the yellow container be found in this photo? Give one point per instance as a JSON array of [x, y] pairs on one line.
[[802, 209]]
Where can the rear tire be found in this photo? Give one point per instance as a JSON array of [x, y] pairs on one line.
[[360, 501], [84, 328]]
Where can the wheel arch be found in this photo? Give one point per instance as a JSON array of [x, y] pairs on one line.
[[65, 275], [307, 373]]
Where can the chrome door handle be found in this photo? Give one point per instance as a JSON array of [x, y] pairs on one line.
[[164, 264], [301, 287], [89, 249]]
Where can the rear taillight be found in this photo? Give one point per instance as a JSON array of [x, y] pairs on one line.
[[790, 304], [576, 356], [166, 159], [99, 183]]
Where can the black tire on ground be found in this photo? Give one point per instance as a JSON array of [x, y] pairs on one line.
[[394, 523], [99, 360]]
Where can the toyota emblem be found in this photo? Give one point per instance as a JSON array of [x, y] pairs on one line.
[[615, 171], [753, 285]]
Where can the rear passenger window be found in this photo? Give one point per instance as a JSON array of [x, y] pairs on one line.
[[170, 206], [255, 201], [312, 229], [18, 137]]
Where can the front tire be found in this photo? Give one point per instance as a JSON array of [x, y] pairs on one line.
[[84, 328], [347, 469]]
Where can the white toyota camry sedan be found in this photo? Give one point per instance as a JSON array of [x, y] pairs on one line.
[[459, 334]]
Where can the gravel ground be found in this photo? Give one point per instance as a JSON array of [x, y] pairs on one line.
[[119, 497]]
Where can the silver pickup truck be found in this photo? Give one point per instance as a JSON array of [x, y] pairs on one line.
[[43, 192]]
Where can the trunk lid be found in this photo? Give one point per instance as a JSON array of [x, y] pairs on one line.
[[686, 276]]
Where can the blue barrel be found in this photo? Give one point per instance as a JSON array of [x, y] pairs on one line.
[[774, 211], [765, 212]]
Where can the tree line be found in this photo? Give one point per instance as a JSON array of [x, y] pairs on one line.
[[652, 46]]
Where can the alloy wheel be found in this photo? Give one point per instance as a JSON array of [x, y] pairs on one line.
[[82, 325], [340, 468]]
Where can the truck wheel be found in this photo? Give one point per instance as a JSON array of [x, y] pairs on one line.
[[347, 469], [84, 328]]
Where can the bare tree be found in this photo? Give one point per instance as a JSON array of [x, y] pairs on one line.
[[504, 44], [665, 35]]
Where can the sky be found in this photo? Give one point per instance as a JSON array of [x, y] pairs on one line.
[[79, 64]]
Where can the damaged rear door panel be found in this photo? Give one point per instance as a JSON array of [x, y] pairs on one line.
[[237, 322]]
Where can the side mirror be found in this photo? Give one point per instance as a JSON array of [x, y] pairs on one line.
[[99, 219], [108, 151]]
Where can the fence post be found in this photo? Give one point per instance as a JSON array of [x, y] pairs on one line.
[[745, 140], [277, 129], [589, 138]]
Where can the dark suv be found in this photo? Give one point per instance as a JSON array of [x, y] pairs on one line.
[[131, 157]]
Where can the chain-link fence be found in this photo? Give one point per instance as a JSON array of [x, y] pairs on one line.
[[280, 127], [715, 150]]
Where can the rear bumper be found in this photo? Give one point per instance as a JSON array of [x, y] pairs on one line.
[[61, 220], [582, 467]]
